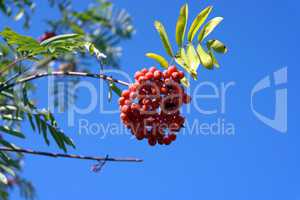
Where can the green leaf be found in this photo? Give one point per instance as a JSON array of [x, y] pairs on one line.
[[38, 122], [3, 179], [31, 121], [19, 15], [10, 117], [59, 140], [67, 139], [3, 7], [193, 57], [116, 90], [185, 82], [44, 132], [198, 21], [182, 59], [208, 28], [181, 25], [62, 37], [205, 58], [8, 108], [215, 62], [217, 46], [23, 43], [6, 144], [7, 170], [11, 131], [161, 60], [94, 51], [164, 37]]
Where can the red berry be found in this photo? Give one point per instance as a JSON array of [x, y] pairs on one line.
[[123, 116], [167, 140], [175, 75], [125, 108], [121, 101], [144, 71], [152, 69], [141, 79], [133, 95], [171, 69], [186, 98], [157, 75], [172, 137], [125, 94], [149, 75], [152, 141], [181, 74], [127, 102], [137, 75]]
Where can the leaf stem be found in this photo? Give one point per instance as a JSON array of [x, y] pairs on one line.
[[72, 156]]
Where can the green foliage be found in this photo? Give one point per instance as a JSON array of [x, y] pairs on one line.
[[217, 46], [161, 60], [209, 27], [18, 9], [98, 30], [164, 37], [198, 21], [101, 23], [191, 55], [181, 25], [55, 46]]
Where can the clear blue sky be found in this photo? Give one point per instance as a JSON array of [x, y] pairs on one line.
[[257, 162]]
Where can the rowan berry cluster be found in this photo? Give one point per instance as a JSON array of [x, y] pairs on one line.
[[151, 105]]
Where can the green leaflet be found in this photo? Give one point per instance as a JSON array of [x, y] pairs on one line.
[[183, 60], [217, 46], [7, 170], [57, 137], [205, 58], [158, 58], [193, 57], [19, 15], [208, 28], [164, 37], [60, 38], [115, 89], [181, 25], [11, 131], [198, 21], [215, 62], [3, 178], [94, 51], [22, 43], [185, 82]]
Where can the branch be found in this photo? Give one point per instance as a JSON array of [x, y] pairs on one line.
[[61, 73], [60, 155]]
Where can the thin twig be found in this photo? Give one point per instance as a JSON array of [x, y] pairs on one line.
[[60, 155], [7, 67], [61, 73]]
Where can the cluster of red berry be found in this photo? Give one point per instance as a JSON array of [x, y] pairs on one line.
[[46, 36], [151, 105]]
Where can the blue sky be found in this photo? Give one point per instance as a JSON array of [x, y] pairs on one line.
[[257, 162]]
